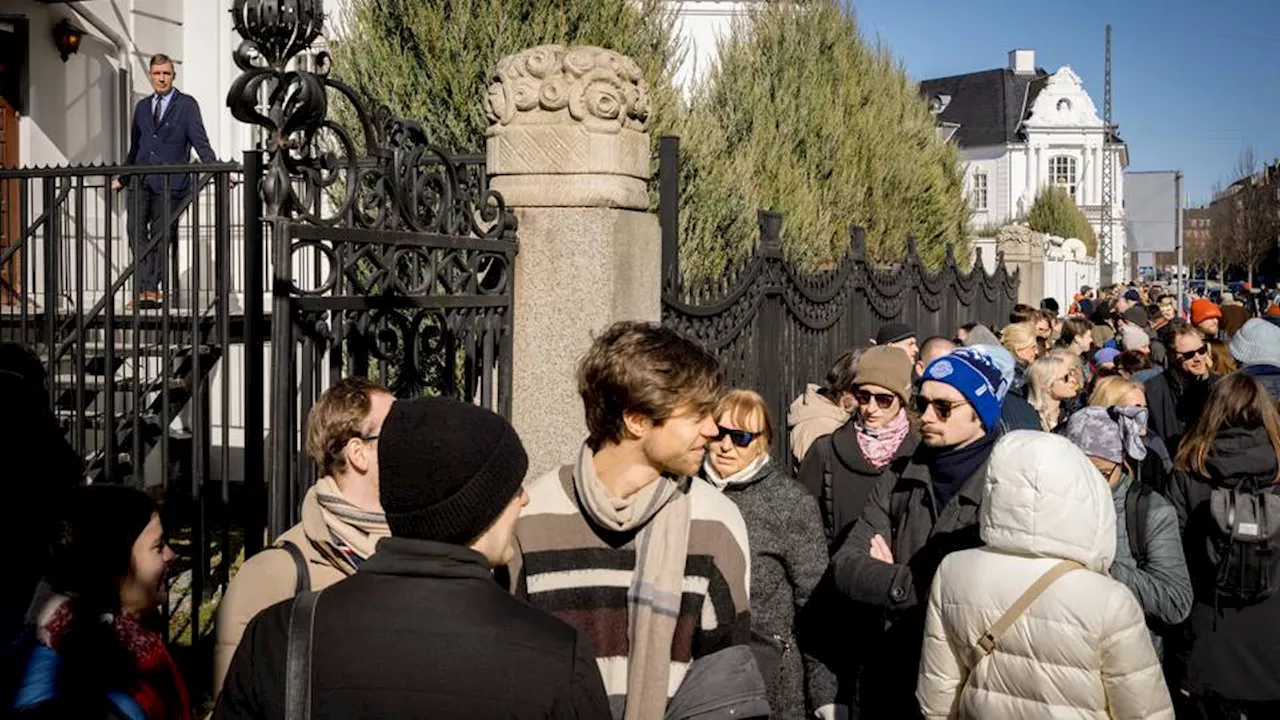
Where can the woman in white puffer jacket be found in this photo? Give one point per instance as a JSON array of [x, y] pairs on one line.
[[1081, 648]]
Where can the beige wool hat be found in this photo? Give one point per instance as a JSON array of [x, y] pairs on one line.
[[886, 366]]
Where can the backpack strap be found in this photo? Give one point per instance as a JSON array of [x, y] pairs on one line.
[[303, 583], [1137, 501], [302, 617], [990, 640]]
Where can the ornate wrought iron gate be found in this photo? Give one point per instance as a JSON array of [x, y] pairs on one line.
[[390, 258]]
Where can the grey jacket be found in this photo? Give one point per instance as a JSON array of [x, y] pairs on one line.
[[788, 558], [724, 685], [1163, 587]]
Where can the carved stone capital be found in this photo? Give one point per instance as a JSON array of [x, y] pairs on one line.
[[569, 128]]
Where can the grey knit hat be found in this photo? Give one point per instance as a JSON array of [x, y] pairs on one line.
[[1257, 342], [1132, 337], [1111, 433], [981, 335]]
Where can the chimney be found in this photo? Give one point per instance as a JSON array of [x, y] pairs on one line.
[[1022, 62]]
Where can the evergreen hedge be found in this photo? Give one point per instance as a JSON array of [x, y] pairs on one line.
[[803, 116], [1055, 213]]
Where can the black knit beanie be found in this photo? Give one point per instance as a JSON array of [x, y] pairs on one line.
[[446, 469]]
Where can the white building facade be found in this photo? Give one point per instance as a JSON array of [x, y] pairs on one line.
[[1019, 130]]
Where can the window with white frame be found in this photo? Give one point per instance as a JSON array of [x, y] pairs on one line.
[[979, 194], [1062, 172]]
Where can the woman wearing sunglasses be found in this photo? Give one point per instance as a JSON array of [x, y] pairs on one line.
[[841, 469], [1050, 383], [788, 552]]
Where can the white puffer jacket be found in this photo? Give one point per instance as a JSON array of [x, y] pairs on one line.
[[1081, 650]]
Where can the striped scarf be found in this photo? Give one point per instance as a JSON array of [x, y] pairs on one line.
[[662, 512], [354, 532]]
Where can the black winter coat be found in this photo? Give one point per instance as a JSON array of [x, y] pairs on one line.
[[837, 473], [420, 631], [904, 511], [788, 557], [1233, 650], [1175, 402]]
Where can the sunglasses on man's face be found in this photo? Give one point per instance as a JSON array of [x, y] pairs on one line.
[[1193, 354], [741, 438], [941, 408], [883, 400]]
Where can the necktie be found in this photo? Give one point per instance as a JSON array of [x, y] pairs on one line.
[[155, 111]]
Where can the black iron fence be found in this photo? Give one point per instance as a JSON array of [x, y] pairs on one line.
[[777, 329], [162, 391]]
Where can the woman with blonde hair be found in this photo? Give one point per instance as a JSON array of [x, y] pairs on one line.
[[1050, 382], [1225, 491], [788, 551], [1020, 340]]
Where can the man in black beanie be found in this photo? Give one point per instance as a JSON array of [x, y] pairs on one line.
[[422, 629]]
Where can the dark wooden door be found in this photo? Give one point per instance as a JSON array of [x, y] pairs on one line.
[[10, 273]]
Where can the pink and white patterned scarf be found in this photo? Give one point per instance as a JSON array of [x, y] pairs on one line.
[[879, 445]]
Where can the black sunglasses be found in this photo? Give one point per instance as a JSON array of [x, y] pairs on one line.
[[741, 438], [884, 400], [942, 408], [1192, 354]]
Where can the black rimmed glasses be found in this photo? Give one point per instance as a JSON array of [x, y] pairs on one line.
[[741, 438]]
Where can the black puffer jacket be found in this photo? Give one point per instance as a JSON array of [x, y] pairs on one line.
[[1233, 651], [841, 478], [788, 557]]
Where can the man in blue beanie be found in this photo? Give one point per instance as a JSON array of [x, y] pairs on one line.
[[913, 520]]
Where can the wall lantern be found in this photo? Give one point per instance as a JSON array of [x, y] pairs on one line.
[[67, 37]]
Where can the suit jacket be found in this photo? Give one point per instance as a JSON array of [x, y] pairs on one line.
[[181, 129]]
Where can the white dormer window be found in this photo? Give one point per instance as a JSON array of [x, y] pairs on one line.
[[1062, 172], [1064, 105], [979, 195]]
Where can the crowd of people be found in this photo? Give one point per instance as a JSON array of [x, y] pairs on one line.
[[1068, 515]]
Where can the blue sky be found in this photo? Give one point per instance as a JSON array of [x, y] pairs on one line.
[[1193, 81]]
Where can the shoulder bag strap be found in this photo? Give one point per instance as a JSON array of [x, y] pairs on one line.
[[1136, 502], [297, 699], [991, 639], [303, 583]]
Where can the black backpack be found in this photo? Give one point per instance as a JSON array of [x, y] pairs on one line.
[[1244, 540], [1136, 501]]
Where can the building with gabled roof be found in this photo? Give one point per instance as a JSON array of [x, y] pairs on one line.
[[1020, 129]]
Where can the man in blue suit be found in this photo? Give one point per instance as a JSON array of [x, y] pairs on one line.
[[166, 127]]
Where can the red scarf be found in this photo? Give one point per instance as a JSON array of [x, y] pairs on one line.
[[159, 690]]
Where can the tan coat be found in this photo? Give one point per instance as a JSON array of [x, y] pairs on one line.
[[810, 417], [270, 577]]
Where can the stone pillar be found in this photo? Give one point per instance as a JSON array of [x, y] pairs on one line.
[[568, 150], [1024, 250]]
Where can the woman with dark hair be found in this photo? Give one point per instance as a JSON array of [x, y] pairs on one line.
[[822, 408], [95, 656], [1225, 492]]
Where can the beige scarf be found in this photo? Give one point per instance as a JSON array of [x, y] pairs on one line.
[[662, 511], [359, 529]]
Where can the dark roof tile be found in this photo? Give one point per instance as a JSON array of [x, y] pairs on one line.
[[989, 106]]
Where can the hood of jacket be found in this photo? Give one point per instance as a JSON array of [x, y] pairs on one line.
[[1060, 508], [812, 406], [1240, 455]]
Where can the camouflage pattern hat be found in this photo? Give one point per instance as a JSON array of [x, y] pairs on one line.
[[1111, 433]]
